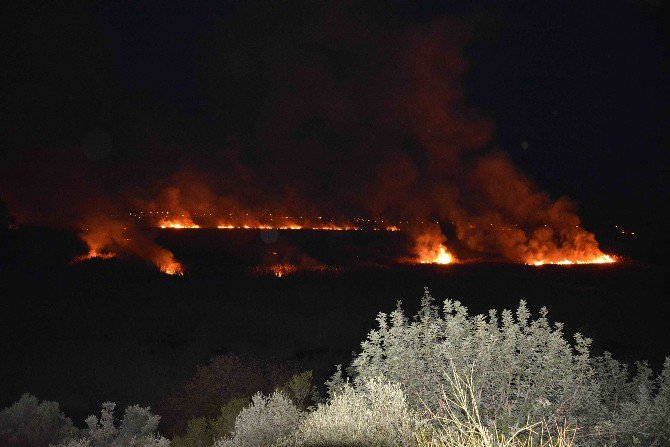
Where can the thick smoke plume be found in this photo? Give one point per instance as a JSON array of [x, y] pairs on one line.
[[331, 118]]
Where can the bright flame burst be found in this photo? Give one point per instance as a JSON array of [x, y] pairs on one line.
[[172, 268], [441, 257], [603, 259]]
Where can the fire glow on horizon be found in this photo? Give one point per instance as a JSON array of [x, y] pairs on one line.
[[603, 259], [109, 239], [187, 223]]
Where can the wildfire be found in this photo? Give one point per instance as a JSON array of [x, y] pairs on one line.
[[167, 264], [280, 270], [441, 257], [178, 224], [329, 227], [263, 222], [93, 254], [603, 259], [257, 227], [336, 228], [277, 270], [172, 269]]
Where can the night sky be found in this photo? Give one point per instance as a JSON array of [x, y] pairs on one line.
[[577, 94]]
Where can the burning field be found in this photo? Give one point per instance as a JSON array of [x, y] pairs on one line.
[[286, 249], [399, 150], [422, 242]]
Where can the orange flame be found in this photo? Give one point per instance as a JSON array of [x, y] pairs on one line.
[[603, 259], [172, 269], [178, 223], [167, 264], [280, 270], [93, 254], [443, 256], [277, 270], [430, 247], [105, 238]]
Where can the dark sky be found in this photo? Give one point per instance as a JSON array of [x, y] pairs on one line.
[[114, 94]]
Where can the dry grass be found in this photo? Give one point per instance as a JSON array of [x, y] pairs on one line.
[[460, 424]]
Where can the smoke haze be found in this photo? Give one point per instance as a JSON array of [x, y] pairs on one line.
[[336, 114]]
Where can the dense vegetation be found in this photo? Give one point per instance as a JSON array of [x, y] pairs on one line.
[[442, 378]]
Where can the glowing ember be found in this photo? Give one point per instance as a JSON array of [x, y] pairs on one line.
[[603, 259], [267, 222], [336, 228], [441, 257], [277, 270], [93, 254], [280, 270]]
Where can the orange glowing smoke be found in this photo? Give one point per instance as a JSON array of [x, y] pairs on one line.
[[164, 260], [103, 239], [107, 237]]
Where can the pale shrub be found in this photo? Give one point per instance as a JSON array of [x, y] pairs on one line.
[[373, 414], [34, 423], [460, 424], [523, 369], [300, 389], [136, 429], [146, 441], [76, 442], [639, 409], [202, 431], [264, 422], [226, 377]]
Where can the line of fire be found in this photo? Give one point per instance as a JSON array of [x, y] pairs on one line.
[[117, 236]]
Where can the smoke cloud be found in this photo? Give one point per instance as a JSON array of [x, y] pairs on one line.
[[335, 115]]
